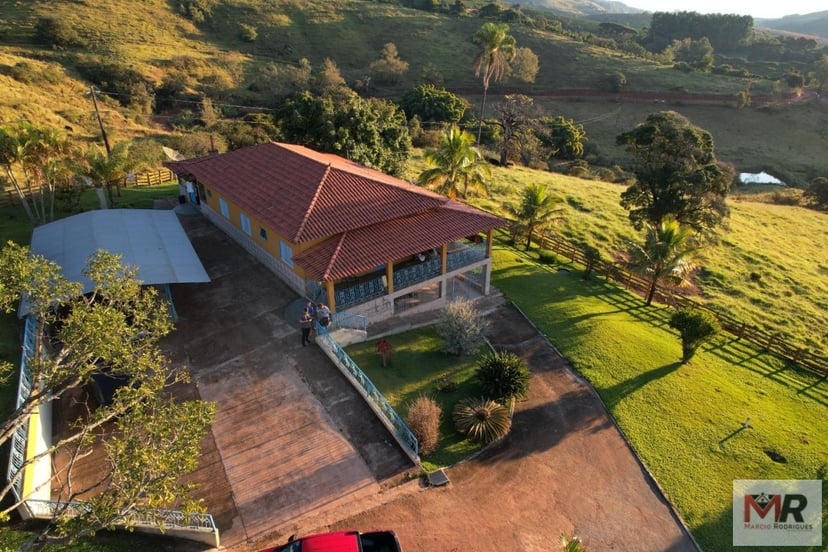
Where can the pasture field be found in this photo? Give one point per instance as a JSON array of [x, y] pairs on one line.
[[684, 421]]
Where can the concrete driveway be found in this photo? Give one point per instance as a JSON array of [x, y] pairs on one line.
[[291, 437], [295, 450]]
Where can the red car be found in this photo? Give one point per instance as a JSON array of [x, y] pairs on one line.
[[342, 541]]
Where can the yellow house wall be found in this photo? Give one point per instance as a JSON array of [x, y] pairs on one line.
[[271, 244]]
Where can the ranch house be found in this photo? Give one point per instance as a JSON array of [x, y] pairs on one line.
[[341, 233]]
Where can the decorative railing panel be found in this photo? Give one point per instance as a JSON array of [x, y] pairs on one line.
[[371, 393], [414, 274], [44, 509], [466, 256], [348, 320], [17, 454], [350, 295]]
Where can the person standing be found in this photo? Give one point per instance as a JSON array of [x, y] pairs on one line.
[[323, 313], [305, 324]]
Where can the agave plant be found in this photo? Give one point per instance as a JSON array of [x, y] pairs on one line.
[[482, 420], [571, 543]]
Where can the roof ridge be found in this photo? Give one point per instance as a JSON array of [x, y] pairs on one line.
[[298, 236], [334, 255]]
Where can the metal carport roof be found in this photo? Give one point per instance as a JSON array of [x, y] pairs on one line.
[[151, 240]]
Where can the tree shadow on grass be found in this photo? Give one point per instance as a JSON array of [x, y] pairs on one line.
[[782, 371], [615, 394]]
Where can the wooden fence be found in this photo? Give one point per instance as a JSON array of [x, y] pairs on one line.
[[151, 178], [770, 341]]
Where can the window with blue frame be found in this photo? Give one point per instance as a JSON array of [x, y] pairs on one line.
[[225, 210], [263, 233], [286, 253]]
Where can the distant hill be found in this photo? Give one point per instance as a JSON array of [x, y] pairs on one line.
[[815, 24], [578, 7]]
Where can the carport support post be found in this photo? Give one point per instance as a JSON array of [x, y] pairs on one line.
[[329, 288]]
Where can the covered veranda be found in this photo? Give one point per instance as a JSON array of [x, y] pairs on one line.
[[376, 270]]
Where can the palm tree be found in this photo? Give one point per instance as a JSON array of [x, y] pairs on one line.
[[106, 169], [537, 210], [497, 50], [669, 252], [455, 165], [37, 155]]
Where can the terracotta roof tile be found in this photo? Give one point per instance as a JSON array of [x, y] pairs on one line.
[[303, 194], [368, 217], [359, 250]]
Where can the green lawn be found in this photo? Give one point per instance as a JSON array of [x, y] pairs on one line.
[[415, 369], [684, 421]]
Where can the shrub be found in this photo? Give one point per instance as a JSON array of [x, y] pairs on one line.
[[248, 33], [503, 375], [56, 32], [461, 326], [446, 385], [482, 420], [592, 256], [547, 257], [695, 327], [817, 192], [424, 422]]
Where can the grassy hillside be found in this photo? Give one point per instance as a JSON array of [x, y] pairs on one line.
[[152, 38], [770, 268]]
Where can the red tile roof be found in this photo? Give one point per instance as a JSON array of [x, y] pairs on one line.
[[363, 249], [369, 217]]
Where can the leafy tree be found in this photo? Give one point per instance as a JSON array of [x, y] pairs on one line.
[[482, 420], [423, 420], [115, 328], [432, 104], [695, 327], [514, 115], [817, 192], [461, 326], [503, 376], [36, 162], [563, 137], [370, 131], [455, 165], [497, 49], [127, 85], [524, 66], [668, 253], [389, 68], [329, 80], [199, 11], [677, 174], [696, 53], [537, 210], [821, 72]]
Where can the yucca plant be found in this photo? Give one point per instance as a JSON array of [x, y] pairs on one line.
[[503, 376], [482, 420]]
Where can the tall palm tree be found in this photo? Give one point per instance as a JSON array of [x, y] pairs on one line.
[[537, 210], [455, 165], [497, 49], [669, 252]]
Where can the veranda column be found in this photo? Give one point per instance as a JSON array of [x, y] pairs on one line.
[[489, 236], [329, 288], [389, 277], [443, 268]]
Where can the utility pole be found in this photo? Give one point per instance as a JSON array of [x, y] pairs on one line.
[[100, 122]]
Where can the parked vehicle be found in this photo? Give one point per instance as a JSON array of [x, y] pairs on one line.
[[342, 541]]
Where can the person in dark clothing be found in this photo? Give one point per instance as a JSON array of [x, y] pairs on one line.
[[305, 324]]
